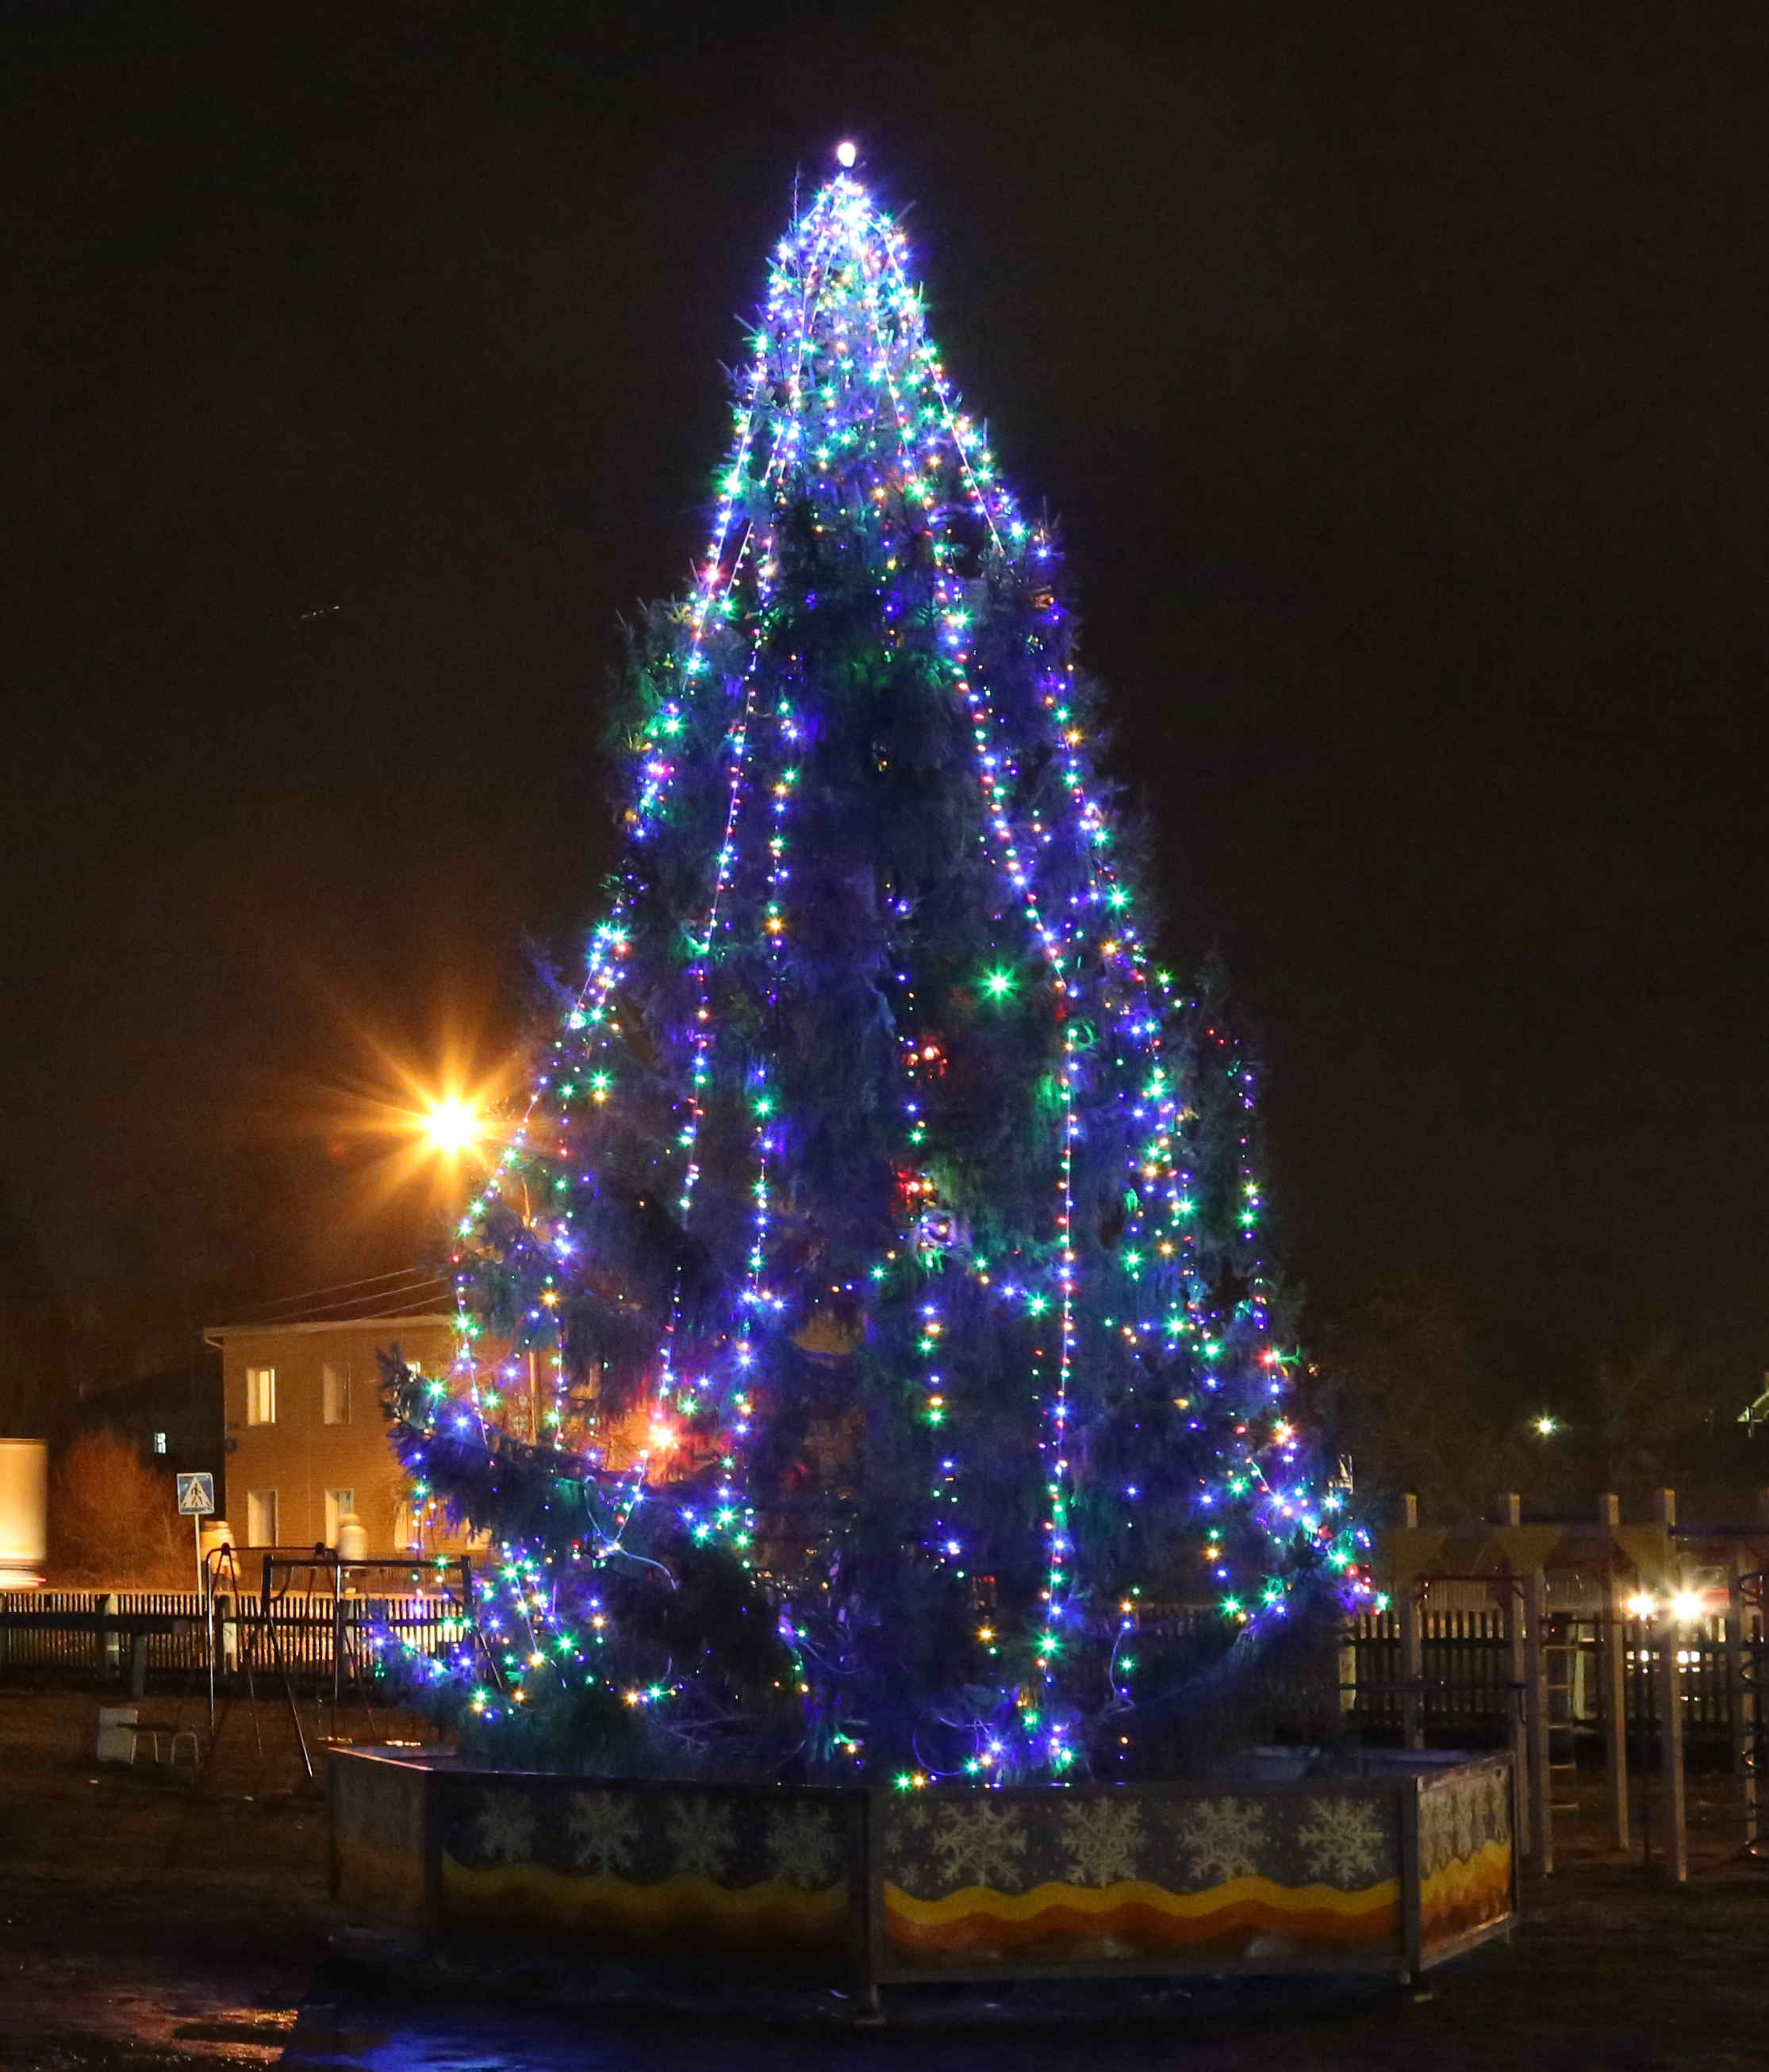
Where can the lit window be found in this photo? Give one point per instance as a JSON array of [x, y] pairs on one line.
[[340, 1504], [260, 1518], [159, 1442], [261, 1398], [335, 1391]]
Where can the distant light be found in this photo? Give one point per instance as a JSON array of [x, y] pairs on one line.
[[1545, 1426], [998, 984], [1643, 1606], [845, 153], [452, 1126], [1686, 1605]]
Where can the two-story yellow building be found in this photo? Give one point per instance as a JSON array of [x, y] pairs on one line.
[[306, 1443]]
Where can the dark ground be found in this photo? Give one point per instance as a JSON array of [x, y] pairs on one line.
[[142, 1929]]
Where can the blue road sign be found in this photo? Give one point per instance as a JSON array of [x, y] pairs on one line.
[[195, 1495]]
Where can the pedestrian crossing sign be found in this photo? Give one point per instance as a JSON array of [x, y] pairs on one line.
[[195, 1495]]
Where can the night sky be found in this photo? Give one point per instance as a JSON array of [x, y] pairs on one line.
[[1397, 381]]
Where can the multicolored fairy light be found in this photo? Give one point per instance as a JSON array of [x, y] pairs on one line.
[[890, 1230]]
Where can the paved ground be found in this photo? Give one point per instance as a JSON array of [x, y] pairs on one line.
[[145, 1930]]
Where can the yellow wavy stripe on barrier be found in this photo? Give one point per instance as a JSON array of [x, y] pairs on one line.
[[363, 1866], [973, 1899], [356, 1851], [1490, 1865], [686, 1895]]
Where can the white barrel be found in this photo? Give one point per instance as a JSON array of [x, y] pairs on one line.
[[352, 1538], [116, 1725]]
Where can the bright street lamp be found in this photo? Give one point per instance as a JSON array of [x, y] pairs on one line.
[[452, 1127]]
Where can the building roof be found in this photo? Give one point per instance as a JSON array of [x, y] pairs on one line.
[[398, 1319], [407, 1296]]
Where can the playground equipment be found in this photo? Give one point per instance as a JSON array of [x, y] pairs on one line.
[[1551, 1632]]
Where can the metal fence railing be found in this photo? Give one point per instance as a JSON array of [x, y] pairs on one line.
[[1468, 1667], [1466, 1659], [302, 1630]]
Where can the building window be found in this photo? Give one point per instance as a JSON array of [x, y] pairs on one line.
[[405, 1532], [260, 1516], [340, 1504], [260, 1396], [159, 1442], [335, 1391]]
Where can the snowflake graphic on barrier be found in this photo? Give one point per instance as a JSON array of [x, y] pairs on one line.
[[1468, 1797], [1343, 1838], [700, 1834], [803, 1845], [1223, 1837], [978, 1844], [505, 1828], [1499, 1806], [604, 1827], [1101, 1837], [1437, 1838]]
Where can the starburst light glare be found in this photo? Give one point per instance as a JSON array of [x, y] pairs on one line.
[[452, 1126]]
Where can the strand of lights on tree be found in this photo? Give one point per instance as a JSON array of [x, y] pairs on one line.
[[593, 1008], [867, 451]]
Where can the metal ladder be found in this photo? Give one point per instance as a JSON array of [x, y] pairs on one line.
[[1564, 1651]]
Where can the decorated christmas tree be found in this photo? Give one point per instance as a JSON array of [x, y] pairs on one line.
[[870, 1366]]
